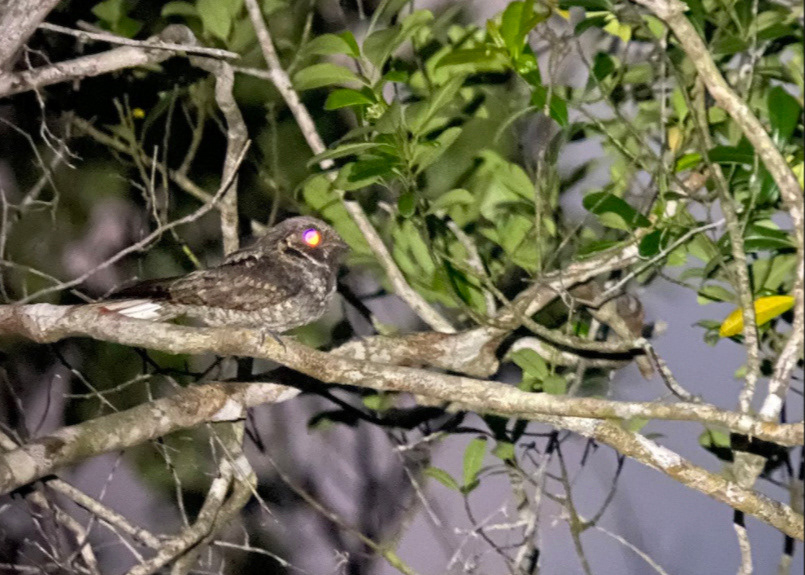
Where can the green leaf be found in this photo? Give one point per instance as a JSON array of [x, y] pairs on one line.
[[349, 179], [731, 155], [772, 274], [466, 288], [459, 196], [216, 17], [517, 21], [557, 108], [620, 29], [635, 424], [702, 247], [330, 44], [727, 44], [598, 21], [760, 237], [603, 66], [324, 74], [714, 438], [554, 385], [399, 76], [428, 152], [473, 460], [527, 67], [784, 112], [530, 362], [600, 203], [504, 450], [477, 59], [406, 204], [346, 150], [650, 244], [113, 13], [642, 73], [110, 11], [441, 97], [513, 230], [344, 97], [378, 401], [349, 38], [388, 9], [442, 477], [380, 45], [179, 9], [373, 168], [714, 293], [127, 27], [687, 162], [592, 5]]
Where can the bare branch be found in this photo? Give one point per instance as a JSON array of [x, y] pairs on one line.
[[181, 48], [18, 20], [95, 64], [674, 466], [236, 137]]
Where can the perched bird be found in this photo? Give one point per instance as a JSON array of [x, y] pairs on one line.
[[284, 280]]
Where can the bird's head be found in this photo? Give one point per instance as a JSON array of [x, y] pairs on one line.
[[308, 238]]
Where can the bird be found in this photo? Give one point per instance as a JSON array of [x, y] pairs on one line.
[[284, 280]]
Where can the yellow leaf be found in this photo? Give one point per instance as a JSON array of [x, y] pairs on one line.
[[766, 309], [674, 138], [799, 172], [563, 13], [616, 28]]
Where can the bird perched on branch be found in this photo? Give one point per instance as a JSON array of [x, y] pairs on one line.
[[284, 280]]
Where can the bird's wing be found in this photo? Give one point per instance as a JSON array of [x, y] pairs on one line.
[[245, 284]]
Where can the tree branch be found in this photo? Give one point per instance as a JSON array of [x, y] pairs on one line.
[[46, 323], [96, 64], [18, 20], [672, 12]]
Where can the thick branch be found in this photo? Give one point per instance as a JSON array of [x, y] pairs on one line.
[[18, 20], [47, 323], [189, 408], [226, 401]]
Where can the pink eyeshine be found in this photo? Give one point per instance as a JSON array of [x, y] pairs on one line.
[[311, 237]]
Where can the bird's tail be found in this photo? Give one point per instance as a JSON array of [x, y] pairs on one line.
[[147, 309]]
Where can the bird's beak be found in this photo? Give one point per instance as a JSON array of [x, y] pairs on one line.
[[340, 246]]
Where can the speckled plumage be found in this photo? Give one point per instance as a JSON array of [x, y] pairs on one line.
[[278, 283]]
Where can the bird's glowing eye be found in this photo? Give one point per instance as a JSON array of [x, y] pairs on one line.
[[311, 237]]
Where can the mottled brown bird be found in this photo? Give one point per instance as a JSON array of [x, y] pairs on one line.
[[284, 280]]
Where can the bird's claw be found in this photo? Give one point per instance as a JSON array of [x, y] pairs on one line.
[[274, 335]]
